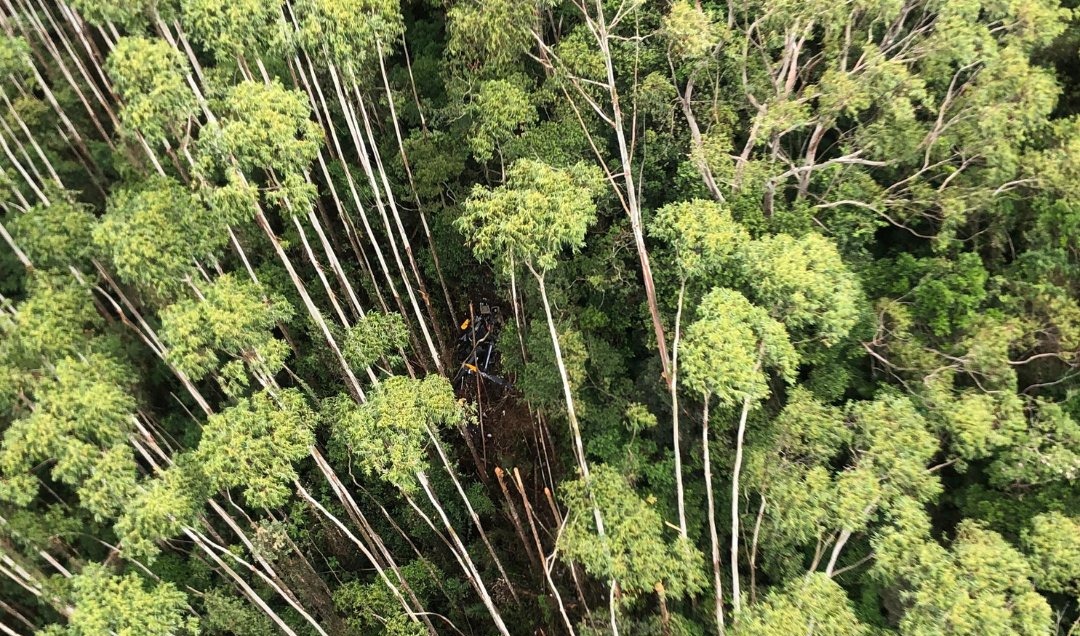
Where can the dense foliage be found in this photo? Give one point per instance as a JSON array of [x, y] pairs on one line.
[[785, 338]]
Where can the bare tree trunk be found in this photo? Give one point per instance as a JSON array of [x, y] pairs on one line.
[[714, 541], [575, 428], [674, 386], [735, 472], [472, 513], [243, 585], [546, 567], [631, 190], [469, 565]]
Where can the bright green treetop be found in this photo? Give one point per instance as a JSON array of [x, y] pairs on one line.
[[805, 285], [703, 235], [231, 28], [689, 31], [154, 233], [980, 586], [123, 605], [387, 436], [266, 127], [79, 414], [161, 509], [149, 76], [540, 212], [254, 445], [729, 346], [499, 110], [350, 30], [633, 550], [812, 604], [55, 236], [230, 330], [1053, 543], [373, 336], [491, 35], [51, 322]]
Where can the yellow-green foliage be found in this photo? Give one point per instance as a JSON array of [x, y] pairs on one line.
[[634, 550], [540, 212], [149, 76], [730, 346], [106, 603], [387, 436], [254, 445]]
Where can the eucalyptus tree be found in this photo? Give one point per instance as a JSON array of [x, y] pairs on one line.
[[880, 292], [265, 127], [815, 604], [540, 212], [156, 235], [108, 603], [584, 63], [978, 585], [726, 354], [148, 75], [386, 437], [55, 236], [632, 550], [230, 318], [705, 241], [351, 35], [80, 417]]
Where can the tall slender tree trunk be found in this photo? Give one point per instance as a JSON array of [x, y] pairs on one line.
[[633, 204], [467, 560], [674, 386], [736, 471], [575, 428], [714, 541], [472, 513]]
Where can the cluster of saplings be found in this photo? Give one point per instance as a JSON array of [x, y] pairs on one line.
[[789, 335]]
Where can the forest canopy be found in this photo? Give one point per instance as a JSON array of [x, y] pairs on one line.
[[537, 317]]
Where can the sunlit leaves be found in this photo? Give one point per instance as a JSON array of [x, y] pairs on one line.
[[493, 35], [1053, 541], [980, 423], [822, 469], [266, 127], [387, 436], [633, 550], [499, 109], [79, 414], [896, 447], [14, 56], [703, 235], [54, 236], [124, 605], [254, 445], [688, 30], [729, 347], [155, 234], [54, 321], [129, 13], [540, 212], [373, 336], [814, 604], [161, 509], [149, 76], [805, 284], [233, 321], [980, 586], [1048, 451], [232, 28], [352, 31]]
